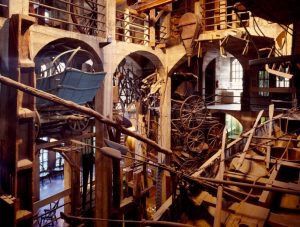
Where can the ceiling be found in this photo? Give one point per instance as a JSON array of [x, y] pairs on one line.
[[280, 11]]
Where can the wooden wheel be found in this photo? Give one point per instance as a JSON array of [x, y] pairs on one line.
[[193, 112], [195, 140], [78, 125], [214, 136], [84, 15]]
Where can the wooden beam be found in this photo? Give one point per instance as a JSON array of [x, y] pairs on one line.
[[48, 145], [50, 199], [151, 4], [88, 111], [270, 129], [278, 73], [217, 220], [240, 162], [271, 60], [157, 215]]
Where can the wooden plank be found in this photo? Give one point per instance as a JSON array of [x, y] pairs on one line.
[[50, 199], [278, 73], [240, 162], [151, 4], [45, 145], [217, 155], [284, 220], [279, 59], [24, 164], [162, 209], [266, 195], [273, 89], [217, 220], [268, 155]]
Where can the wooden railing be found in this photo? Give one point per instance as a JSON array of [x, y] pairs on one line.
[[132, 28], [217, 15], [86, 16]]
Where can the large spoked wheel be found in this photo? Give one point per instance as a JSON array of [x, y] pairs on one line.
[[84, 15], [214, 136], [80, 124], [195, 141], [193, 112]]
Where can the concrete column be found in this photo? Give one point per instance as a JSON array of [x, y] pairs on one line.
[[18, 7], [111, 19]]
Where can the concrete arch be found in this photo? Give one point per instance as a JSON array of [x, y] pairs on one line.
[[117, 51], [63, 44], [175, 57], [40, 37]]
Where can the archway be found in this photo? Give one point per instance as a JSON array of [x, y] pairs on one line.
[[82, 62], [223, 79]]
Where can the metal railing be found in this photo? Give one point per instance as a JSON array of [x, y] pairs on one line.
[[86, 16], [132, 28], [217, 15], [3, 9]]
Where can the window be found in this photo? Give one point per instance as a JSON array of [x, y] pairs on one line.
[[263, 82], [236, 74], [59, 162], [43, 160], [282, 82], [234, 127]]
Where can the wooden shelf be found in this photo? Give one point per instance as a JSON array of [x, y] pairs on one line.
[[23, 215], [24, 164]]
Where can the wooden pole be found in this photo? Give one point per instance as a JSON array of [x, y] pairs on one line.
[[71, 105], [241, 160], [218, 214], [268, 154]]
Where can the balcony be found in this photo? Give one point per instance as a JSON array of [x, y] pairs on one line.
[[218, 15], [134, 28], [86, 17]]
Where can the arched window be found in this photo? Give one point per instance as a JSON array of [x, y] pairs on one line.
[[236, 74]]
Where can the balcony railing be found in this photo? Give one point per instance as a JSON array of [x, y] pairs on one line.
[[132, 28], [86, 16], [217, 15], [3, 9]]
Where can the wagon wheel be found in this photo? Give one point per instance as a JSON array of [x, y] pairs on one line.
[[195, 140], [84, 15], [214, 137], [193, 112], [78, 125]]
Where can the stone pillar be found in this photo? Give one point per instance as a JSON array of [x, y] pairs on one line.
[[111, 19], [18, 7]]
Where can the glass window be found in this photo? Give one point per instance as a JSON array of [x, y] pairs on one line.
[[236, 74], [263, 82], [234, 127], [59, 162], [43, 159], [282, 82]]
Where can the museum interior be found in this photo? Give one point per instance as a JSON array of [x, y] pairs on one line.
[[149, 113]]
